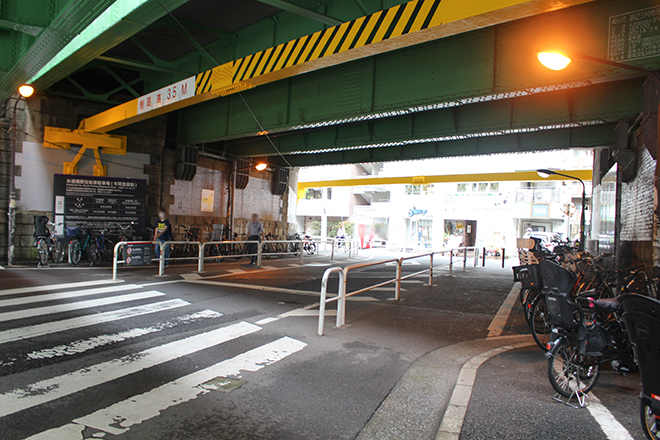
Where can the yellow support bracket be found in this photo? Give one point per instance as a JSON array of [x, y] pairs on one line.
[[62, 138]]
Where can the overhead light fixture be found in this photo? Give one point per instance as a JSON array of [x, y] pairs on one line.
[[544, 174], [261, 166], [26, 90], [553, 60]]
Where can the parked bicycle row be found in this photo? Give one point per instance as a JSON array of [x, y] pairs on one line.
[[588, 316], [84, 243]]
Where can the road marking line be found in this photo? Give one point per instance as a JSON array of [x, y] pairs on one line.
[[66, 295], [120, 417], [267, 320], [32, 331], [82, 345], [610, 426], [48, 390], [452, 421], [236, 271], [269, 267], [48, 288], [496, 327], [49, 310], [255, 287]]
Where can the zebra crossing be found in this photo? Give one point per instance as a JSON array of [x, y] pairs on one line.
[[62, 344]]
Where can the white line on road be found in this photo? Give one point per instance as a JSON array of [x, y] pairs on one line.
[[51, 287], [50, 389], [499, 322], [17, 334], [610, 426], [452, 421], [82, 345], [66, 295], [235, 271], [120, 417], [49, 310]]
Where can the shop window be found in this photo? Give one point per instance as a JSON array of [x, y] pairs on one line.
[[495, 186], [329, 194], [483, 187], [461, 187]]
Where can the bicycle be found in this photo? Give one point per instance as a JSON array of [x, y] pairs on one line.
[[48, 245], [272, 249], [309, 246], [84, 243]]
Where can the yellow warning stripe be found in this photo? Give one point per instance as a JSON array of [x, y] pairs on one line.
[[285, 54], [422, 16], [271, 63], [324, 40], [337, 38], [352, 34], [308, 47], [296, 51], [371, 24], [403, 20], [385, 25]]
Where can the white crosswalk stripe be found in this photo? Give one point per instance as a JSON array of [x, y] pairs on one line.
[[50, 389], [49, 310], [66, 295], [51, 287], [32, 331], [119, 417]]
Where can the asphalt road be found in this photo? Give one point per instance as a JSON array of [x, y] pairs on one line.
[[232, 353]]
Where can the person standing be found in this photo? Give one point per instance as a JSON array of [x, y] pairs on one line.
[[163, 233], [254, 231]]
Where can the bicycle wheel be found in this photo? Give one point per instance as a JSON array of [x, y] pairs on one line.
[[538, 323], [567, 373], [42, 249], [57, 251], [310, 248], [95, 256], [266, 250], [108, 250], [650, 421], [75, 251], [280, 249]]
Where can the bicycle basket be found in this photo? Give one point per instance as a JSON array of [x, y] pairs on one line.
[[73, 232], [529, 276]]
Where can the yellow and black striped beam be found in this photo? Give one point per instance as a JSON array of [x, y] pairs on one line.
[[404, 25]]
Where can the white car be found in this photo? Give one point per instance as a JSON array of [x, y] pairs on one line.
[[548, 239]]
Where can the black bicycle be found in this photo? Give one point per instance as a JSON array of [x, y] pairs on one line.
[[270, 249]]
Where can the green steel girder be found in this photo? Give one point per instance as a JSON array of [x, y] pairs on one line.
[[579, 137], [591, 104], [280, 28], [22, 55], [303, 12], [494, 63], [113, 32]]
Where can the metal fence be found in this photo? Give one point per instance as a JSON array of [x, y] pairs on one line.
[[292, 247], [342, 293]]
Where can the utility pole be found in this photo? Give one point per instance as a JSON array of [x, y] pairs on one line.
[[11, 212]]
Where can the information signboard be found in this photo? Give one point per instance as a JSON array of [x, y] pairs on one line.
[[138, 254], [635, 35], [100, 202]]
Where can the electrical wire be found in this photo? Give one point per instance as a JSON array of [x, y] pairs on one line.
[[239, 93]]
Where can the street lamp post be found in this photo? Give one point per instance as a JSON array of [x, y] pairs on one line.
[[546, 174], [24, 91], [560, 60]]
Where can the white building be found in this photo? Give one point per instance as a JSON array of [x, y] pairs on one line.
[[437, 215]]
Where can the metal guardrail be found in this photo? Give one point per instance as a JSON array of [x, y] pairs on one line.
[[343, 280], [202, 247]]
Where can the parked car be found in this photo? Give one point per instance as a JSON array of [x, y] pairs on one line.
[[548, 239]]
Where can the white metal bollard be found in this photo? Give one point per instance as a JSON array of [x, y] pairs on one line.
[[451, 263], [431, 270], [476, 256], [300, 256], [260, 247], [161, 259], [200, 263]]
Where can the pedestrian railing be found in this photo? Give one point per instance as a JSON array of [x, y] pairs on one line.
[[342, 293], [291, 247]]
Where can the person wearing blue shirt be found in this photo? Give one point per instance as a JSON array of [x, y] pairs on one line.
[[163, 233]]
